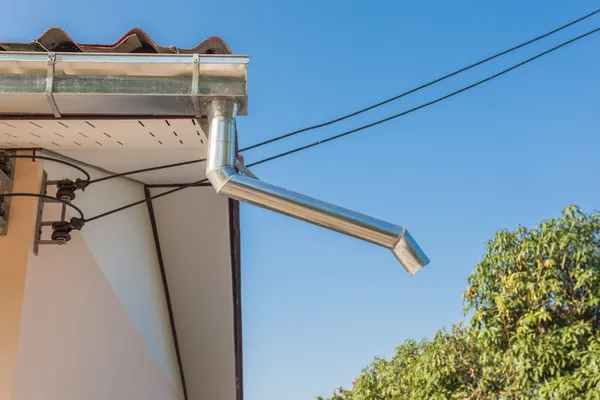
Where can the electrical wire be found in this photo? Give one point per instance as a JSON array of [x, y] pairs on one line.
[[333, 121], [45, 197], [422, 105], [364, 126], [36, 157], [310, 128], [137, 171], [177, 189]]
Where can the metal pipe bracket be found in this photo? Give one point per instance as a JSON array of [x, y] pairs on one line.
[[7, 171]]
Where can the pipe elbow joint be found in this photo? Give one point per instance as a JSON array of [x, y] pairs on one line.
[[218, 177], [221, 172]]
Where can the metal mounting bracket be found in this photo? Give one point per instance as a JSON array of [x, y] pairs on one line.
[[50, 84], [243, 169], [6, 184], [40, 223]]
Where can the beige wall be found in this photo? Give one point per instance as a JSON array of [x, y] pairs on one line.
[[94, 320], [193, 227], [123, 246], [77, 341], [15, 249]]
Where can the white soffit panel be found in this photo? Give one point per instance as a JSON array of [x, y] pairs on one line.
[[117, 145], [99, 134]]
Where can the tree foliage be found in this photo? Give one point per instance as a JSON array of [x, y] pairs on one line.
[[534, 332]]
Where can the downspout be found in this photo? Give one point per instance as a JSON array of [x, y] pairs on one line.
[[221, 172]]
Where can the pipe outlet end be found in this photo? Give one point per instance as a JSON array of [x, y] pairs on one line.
[[410, 255]]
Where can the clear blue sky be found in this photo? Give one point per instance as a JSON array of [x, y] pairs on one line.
[[319, 306]]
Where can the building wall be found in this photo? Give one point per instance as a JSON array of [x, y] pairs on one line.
[[77, 340], [193, 227], [95, 324], [15, 251]]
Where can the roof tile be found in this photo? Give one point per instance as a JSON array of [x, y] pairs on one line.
[[134, 41]]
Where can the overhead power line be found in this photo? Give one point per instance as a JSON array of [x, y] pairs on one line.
[[177, 189], [485, 60], [45, 197], [310, 128], [381, 121], [137, 171], [280, 155], [36, 157]]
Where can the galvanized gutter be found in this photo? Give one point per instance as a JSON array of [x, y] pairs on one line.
[[112, 85]]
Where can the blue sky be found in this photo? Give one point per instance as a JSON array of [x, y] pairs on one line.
[[319, 306]]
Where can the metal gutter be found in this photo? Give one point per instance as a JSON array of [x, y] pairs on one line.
[[112, 85]]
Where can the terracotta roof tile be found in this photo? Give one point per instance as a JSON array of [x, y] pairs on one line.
[[134, 41]]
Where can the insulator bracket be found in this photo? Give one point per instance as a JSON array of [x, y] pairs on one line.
[[7, 170]]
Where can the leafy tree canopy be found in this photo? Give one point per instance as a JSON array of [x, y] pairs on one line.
[[534, 332]]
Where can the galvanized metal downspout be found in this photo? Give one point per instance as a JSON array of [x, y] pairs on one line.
[[222, 174]]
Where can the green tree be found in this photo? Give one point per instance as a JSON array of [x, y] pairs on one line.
[[535, 330]]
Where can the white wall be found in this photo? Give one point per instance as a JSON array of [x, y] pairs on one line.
[[77, 341], [122, 248], [193, 227]]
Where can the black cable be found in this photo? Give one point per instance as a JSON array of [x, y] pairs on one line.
[[364, 109], [333, 121], [422, 105], [43, 196], [362, 127], [36, 157], [145, 200], [137, 171]]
